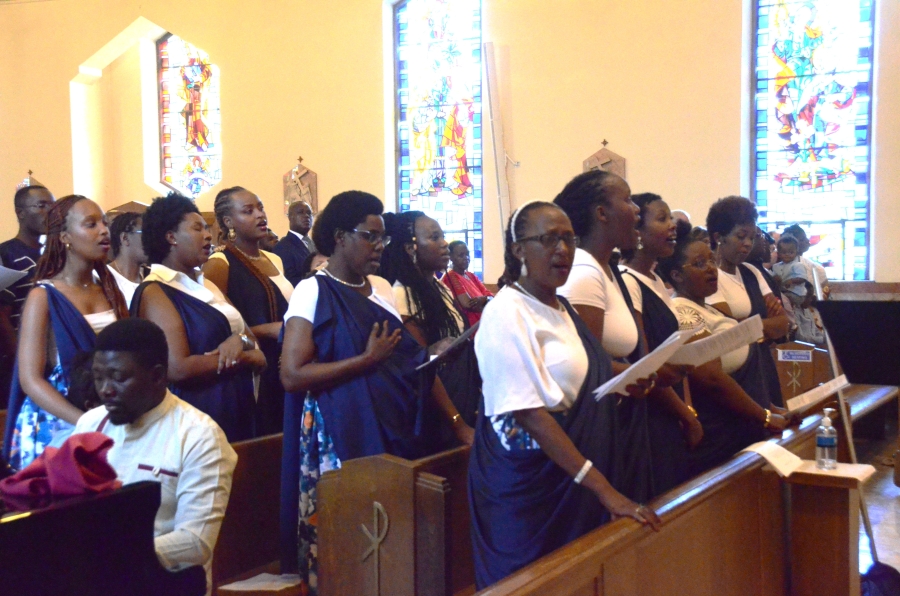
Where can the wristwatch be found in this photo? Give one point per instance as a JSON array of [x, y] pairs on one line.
[[246, 342]]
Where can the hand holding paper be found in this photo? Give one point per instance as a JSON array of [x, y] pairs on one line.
[[644, 367], [709, 348]]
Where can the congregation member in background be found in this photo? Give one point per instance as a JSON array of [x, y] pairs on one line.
[[269, 242], [673, 426], [731, 419], [604, 217], [253, 281], [542, 444], [465, 285], [160, 438], [761, 257], [348, 366], [75, 297], [127, 254], [417, 251], [798, 290], [681, 215], [742, 290], [296, 245], [212, 355], [803, 241]]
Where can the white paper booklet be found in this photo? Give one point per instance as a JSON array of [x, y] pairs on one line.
[[709, 348], [644, 367], [10, 276], [784, 462], [817, 394]]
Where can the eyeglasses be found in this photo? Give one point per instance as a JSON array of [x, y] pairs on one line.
[[549, 241], [373, 238], [702, 264]]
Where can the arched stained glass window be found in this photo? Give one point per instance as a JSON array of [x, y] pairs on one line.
[[438, 93], [189, 118], [812, 126]]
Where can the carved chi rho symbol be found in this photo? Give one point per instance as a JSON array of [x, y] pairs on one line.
[[376, 537], [795, 377]]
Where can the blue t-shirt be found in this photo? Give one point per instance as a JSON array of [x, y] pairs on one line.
[[15, 254]]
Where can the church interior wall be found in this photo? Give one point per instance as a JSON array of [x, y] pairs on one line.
[[663, 82]]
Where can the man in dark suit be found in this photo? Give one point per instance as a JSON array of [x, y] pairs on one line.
[[295, 247]]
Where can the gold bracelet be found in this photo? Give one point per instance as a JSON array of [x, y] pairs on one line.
[[768, 419], [456, 418], [693, 411]]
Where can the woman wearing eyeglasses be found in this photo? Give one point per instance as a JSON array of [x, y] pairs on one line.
[[538, 469], [743, 292], [731, 418], [128, 255], [428, 309], [348, 366]]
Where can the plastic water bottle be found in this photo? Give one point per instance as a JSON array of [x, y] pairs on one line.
[[826, 443]]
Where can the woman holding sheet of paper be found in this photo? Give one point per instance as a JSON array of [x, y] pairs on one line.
[[672, 429], [731, 418], [604, 217], [543, 444]]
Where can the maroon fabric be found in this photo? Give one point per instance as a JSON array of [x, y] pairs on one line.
[[77, 468]]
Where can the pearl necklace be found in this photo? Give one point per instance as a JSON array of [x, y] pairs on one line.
[[341, 281], [519, 287]]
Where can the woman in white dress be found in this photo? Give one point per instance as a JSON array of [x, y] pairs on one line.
[[253, 281]]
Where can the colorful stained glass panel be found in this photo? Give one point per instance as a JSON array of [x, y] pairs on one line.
[[812, 126], [439, 163], [189, 117]]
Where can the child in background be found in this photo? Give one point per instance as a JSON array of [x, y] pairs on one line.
[[798, 290]]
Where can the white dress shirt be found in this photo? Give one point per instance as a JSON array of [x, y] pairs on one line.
[[180, 447], [201, 289]]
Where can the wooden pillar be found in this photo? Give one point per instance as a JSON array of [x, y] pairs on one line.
[[824, 551]]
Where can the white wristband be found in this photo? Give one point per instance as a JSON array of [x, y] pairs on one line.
[[588, 464]]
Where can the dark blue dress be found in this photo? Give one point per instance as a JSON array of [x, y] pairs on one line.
[[227, 398], [523, 505]]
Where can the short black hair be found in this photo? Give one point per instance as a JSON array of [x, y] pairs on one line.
[[124, 223], [452, 246], [22, 195], [344, 211], [789, 239], [728, 213], [796, 231], [642, 200], [581, 194], [140, 337], [161, 217]]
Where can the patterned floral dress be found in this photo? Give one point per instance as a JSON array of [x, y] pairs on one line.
[[36, 429], [317, 456]]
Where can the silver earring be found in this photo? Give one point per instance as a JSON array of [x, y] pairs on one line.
[[640, 244], [415, 258], [524, 270]]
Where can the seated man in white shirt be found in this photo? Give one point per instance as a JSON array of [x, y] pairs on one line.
[[161, 438]]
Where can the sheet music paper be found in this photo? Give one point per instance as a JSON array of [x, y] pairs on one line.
[[784, 462], [644, 367], [709, 348], [817, 394], [10, 276], [456, 342], [265, 581]]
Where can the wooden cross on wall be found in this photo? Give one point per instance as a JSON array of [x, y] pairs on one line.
[[606, 160]]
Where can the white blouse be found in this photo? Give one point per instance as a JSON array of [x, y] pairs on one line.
[[280, 281], [126, 286], [589, 285], [707, 319], [734, 294], [529, 355], [405, 304], [201, 289], [634, 288], [306, 297]]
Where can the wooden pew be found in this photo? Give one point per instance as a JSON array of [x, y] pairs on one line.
[[724, 534], [396, 527], [248, 540]]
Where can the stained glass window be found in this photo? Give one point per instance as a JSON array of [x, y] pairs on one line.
[[812, 126], [439, 157], [189, 118]]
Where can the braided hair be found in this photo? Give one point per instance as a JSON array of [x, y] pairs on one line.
[[53, 261], [515, 229], [222, 208], [423, 296], [581, 194], [124, 223]]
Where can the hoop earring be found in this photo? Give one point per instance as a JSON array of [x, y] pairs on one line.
[[524, 271], [231, 234]]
